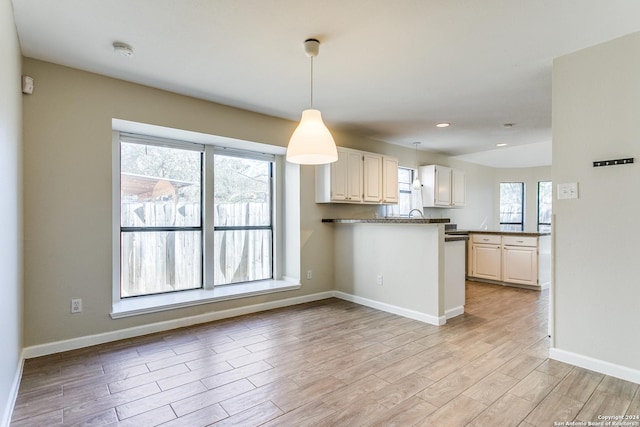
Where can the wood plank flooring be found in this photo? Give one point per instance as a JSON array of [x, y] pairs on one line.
[[329, 363]]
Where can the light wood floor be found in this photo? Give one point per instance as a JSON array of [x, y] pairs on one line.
[[329, 363]]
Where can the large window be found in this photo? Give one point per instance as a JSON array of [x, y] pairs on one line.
[[511, 206], [544, 206], [168, 202], [160, 219], [242, 219]]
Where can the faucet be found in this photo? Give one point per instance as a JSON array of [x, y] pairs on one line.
[[416, 210]]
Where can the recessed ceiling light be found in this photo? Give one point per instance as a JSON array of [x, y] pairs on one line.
[[443, 125], [502, 144], [123, 49]]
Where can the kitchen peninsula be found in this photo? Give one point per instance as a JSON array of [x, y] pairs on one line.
[[400, 265]]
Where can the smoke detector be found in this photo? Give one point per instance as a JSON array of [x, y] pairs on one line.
[[123, 49]]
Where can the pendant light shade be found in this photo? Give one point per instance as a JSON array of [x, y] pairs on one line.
[[311, 142]]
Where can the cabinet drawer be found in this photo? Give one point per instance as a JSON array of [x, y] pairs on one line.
[[486, 238], [519, 241]]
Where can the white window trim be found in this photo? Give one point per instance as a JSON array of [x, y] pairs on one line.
[[286, 250], [161, 302]]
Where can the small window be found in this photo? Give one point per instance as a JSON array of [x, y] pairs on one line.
[[544, 206], [511, 206], [406, 200]]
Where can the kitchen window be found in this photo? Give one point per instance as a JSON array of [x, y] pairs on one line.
[[406, 197], [196, 223], [544, 206], [511, 206]]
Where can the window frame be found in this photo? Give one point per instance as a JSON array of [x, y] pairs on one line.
[[522, 206], [544, 224], [272, 167], [394, 210], [156, 142], [286, 268]]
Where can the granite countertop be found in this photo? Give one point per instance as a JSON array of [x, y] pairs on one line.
[[449, 237], [387, 220]]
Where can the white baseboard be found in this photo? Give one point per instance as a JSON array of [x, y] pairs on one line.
[[453, 312], [411, 314], [13, 393], [597, 365], [86, 341]]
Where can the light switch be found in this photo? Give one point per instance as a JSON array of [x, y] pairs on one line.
[[27, 85], [568, 191]]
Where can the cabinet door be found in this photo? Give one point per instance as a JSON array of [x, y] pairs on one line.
[[354, 176], [486, 261], [372, 178], [339, 176], [389, 180], [458, 188], [442, 186], [520, 265]]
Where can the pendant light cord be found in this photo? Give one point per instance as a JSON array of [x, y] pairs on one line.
[[311, 82]]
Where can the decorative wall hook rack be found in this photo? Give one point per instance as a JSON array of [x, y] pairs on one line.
[[612, 162]]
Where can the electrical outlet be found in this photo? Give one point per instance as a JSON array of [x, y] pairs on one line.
[[379, 279], [309, 274], [76, 306]]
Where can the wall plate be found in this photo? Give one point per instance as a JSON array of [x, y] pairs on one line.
[[568, 191]]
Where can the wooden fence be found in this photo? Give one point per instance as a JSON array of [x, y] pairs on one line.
[[164, 261]]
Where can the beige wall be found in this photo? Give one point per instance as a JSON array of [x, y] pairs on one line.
[[67, 162], [67, 131], [11, 212], [596, 105]]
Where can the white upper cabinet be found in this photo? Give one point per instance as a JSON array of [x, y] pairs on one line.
[[358, 177], [338, 181], [442, 186], [353, 175], [372, 178], [458, 188], [389, 180]]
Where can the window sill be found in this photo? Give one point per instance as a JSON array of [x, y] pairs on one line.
[[156, 303]]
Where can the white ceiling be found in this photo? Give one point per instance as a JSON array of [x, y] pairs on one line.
[[387, 69]]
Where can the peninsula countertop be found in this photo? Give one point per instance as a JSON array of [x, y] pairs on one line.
[[387, 220], [449, 237]]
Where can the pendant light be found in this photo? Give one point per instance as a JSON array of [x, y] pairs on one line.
[[311, 143], [416, 184]]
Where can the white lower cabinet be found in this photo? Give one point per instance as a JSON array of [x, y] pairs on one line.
[[508, 259], [520, 260], [485, 260]]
